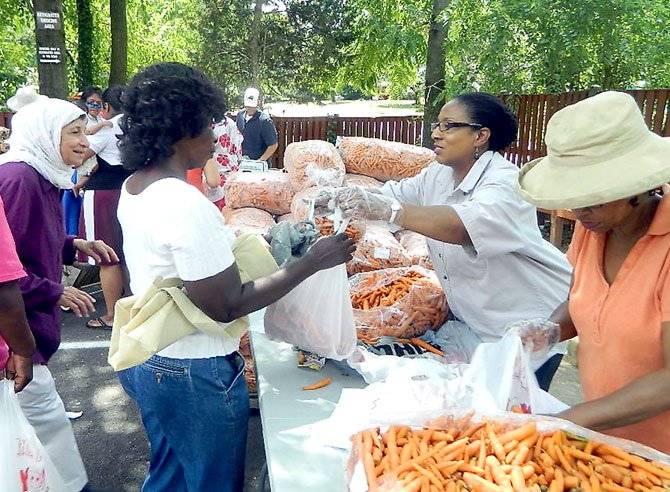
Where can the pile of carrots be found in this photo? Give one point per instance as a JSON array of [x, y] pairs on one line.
[[387, 295], [495, 457], [325, 227], [381, 159], [398, 302], [270, 191], [377, 249], [313, 162]]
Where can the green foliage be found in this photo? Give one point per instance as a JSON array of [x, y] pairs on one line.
[[313, 49]]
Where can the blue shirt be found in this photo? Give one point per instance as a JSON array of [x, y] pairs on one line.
[[259, 133]]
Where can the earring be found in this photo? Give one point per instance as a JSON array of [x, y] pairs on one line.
[[476, 153]]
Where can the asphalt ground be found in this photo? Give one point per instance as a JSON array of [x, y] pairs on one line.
[[110, 434]]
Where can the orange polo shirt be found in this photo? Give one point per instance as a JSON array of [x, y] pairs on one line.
[[619, 326]]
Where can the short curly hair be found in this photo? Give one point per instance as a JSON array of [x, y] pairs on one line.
[[163, 104], [489, 111]]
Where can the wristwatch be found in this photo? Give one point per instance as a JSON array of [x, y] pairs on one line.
[[395, 209]]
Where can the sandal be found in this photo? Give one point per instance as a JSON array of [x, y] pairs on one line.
[[98, 324]]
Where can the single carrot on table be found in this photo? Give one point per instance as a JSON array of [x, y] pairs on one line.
[[319, 384]]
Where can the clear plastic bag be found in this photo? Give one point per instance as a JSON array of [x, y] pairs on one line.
[[313, 163], [362, 181], [24, 463], [383, 306], [381, 159], [377, 249], [416, 247], [270, 191], [247, 220], [316, 315]]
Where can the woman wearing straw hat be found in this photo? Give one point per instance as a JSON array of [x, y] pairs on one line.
[[605, 165]]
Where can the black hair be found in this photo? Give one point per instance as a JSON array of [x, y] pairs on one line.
[[163, 104], [112, 96], [89, 91], [489, 111]]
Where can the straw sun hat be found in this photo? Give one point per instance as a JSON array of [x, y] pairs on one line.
[[598, 150]]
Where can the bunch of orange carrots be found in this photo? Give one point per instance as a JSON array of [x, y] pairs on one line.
[[381, 159], [387, 295], [325, 226], [396, 302], [270, 191], [491, 456], [377, 249], [313, 162]]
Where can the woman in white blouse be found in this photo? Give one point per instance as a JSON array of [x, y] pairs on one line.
[[192, 395], [484, 242]]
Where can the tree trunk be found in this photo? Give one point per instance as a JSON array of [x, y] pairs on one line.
[[119, 67], [255, 45], [84, 44], [435, 62], [50, 45]]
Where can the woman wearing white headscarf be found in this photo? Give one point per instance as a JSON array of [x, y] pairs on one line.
[[46, 144]]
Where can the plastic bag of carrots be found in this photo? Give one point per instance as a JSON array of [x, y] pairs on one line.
[[354, 229], [313, 163], [300, 204], [247, 220], [362, 181], [381, 159], [270, 191], [462, 453], [416, 247], [396, 302], [377, 249]]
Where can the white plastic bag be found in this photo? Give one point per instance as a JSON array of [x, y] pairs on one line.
[[316, 315], [24, 463], [501, 373]]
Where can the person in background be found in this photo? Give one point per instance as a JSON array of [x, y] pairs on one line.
[[91, 100], [47, 142], [192, 395], [484, 242], [17, 344], [101, 199], [226, 159], [259, 134], [604, 164]]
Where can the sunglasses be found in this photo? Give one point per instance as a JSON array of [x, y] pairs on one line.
[[445, 126], [93, 104]]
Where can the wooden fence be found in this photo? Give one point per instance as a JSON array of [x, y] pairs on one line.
[[5, 117], [532, 111]]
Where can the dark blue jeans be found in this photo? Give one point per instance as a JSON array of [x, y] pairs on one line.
[[196, 415]]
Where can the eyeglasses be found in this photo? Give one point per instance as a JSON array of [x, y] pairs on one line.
[[445, 126], [93, 104]]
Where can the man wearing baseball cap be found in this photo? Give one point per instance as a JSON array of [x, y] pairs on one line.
[[260, 135]]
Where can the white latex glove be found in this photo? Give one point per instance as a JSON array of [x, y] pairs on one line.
[[355, 201], [537, 335]]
